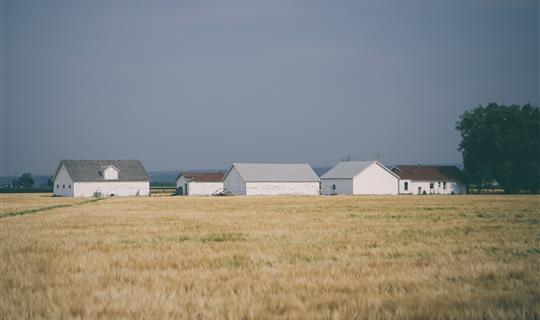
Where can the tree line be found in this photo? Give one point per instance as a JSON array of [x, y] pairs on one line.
[[27, 181], [501, 144]]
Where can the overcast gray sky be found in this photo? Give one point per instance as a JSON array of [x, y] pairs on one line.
[[199, 84]]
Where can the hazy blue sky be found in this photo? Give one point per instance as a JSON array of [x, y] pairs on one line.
[[198, 84]]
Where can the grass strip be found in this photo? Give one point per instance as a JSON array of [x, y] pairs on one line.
[[36, 210]]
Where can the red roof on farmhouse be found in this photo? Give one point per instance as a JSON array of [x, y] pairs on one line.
[[203, 176], [431, 173]]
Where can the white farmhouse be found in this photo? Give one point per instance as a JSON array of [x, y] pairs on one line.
[[359, 177], [88, 178], [420, 179], [199, 183], [271, 179]]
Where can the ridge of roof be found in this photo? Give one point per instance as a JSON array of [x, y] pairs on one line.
[[428, 172], [275, 172], [90, 170], [350, 169]]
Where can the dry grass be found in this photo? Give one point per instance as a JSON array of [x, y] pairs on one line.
[[453, 257], [19, 202]]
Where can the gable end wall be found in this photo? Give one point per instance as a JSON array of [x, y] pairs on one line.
[[234, 182], [62, 179], [375, 180]]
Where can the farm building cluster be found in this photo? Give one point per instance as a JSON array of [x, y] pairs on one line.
[[88, 178]]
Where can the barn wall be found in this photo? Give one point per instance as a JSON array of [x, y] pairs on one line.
[[234, 182], [402, 187], [282, 188], [182, 182], [451, 186], [63, 185], [375, 180], [343, 186], [204, 188], [87, 189]]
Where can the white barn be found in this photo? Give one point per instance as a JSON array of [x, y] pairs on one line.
[[420, 179], [271, 179], [89, 178], [359, 177], [199, 183]]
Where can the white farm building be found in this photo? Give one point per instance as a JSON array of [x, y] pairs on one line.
[[89, 178], [199, 183], [420, 179], [359, 177], [271, 179]]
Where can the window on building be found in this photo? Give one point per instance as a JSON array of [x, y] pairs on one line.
[[439, 184], [63, 186], [57, 186], [431, 185], [69, 186], [444, 185], [333, 187], [406, 186]]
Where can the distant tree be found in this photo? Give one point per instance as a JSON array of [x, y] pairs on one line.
[[47, 184], [502, 143], [26, 180], [15, 183]]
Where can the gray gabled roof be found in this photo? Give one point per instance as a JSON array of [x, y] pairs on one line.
[[350, 169], [90, 170], [275, 172]]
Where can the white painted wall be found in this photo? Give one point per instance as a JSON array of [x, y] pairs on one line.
[[375, 180], [234, 182], [110, 174], [63, 185], [343, 186], [204, 188], [402, 186], [87, 189], [182, 182], [282, 188], [438, 187]]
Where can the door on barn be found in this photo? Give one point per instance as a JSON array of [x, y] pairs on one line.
[[419, 190]]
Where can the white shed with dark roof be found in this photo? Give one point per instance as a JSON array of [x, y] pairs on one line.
[[89, 178], [420, 179], [199, 183], [359, 177], [271, 179]]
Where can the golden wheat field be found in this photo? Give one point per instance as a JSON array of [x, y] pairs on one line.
[[410, 257]]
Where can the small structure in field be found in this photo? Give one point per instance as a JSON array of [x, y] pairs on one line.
[[271, 179], [89, 178], [420, 179], [359, 177], [199, 183]]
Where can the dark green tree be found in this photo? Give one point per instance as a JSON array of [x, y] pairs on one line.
[[26, 180], [502, 143]]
